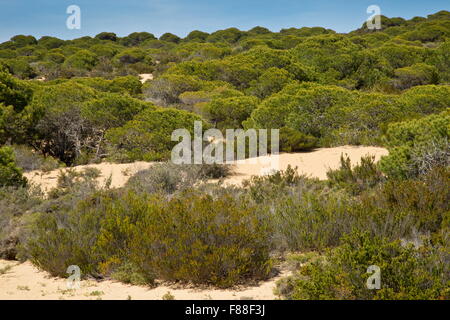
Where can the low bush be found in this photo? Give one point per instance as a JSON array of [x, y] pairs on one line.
[[168, 178], [193, 238], [406, 272], [15, 204], [138, 238], [363, 176], [64, 234], [294, 141], [426, 199]]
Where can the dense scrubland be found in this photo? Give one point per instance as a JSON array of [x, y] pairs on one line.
[[388, 88]]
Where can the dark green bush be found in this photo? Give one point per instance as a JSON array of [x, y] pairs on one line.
[[294, 141], [10, 174], [148, 136]]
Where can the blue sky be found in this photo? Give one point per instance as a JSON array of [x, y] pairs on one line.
[[48, 17]]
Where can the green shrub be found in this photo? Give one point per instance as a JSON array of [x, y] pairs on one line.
[[363, 176], [425, 198], [415, 75], [10, 174], [294, 141], [137, 238], [165, 178], [148, 136], [168, 178], [416, 146], [65, 232], [129, 273], [30, 160], [406, 272], [203, 240], [15, 205]]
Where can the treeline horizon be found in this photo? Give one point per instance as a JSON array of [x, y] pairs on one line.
[[386, 22]]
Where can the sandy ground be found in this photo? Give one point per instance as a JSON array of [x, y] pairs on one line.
[[144, 77], [314, 164], [119, 173], [25, 282]]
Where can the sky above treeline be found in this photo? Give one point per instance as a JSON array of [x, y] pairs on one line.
[[48, 17]]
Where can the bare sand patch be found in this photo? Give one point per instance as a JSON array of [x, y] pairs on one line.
[[25, 282], [314, 164], [118, 173], [144, 77]]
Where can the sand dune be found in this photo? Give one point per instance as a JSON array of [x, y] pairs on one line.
[[119, 173], [314, 164]]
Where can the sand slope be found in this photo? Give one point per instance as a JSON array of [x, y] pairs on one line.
[[314, 164], [119, 173], [25, 282]]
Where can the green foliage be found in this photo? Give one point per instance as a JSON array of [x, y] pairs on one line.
[[426, 198], [196, 35], [82, 60], [270, 82], [13, 92], [106, 36], [22, 41], [10, 174], [417, 74], [167, 89], [112, 110], [53, 120], [229, 113], [406, 272], [293, 141], [169, 37], [148, 136], [363, 176], [416, 146], [194, 239], [16, 203], [136, 38]]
